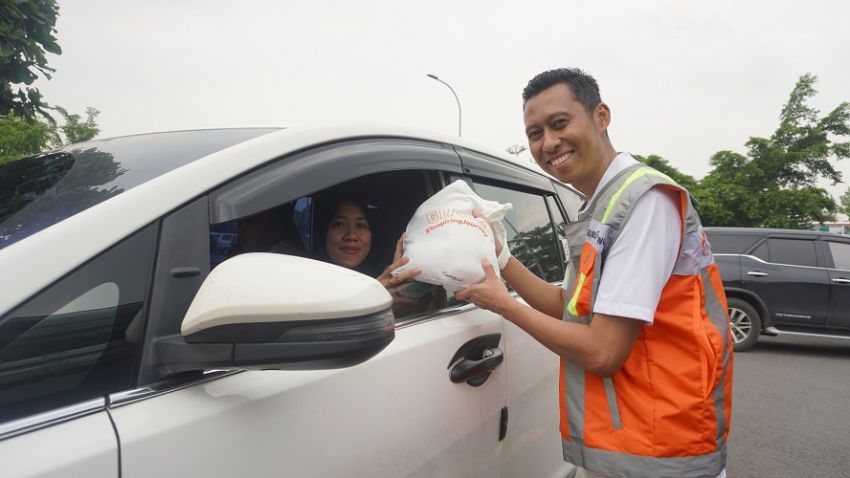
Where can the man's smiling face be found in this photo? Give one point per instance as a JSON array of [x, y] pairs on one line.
[[564, 139]]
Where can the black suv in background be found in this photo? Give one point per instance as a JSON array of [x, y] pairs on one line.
[[782, 281]]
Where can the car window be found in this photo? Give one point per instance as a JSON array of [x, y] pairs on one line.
[[300, 227], [761, 252], [571, 200], [79, 338], [531, 236], [796, 252], [731, 243], [840, 254], [283, 229]]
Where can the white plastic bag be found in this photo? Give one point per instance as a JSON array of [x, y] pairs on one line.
[[447, 242]]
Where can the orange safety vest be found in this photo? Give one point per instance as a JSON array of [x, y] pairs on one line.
[[667, 411]]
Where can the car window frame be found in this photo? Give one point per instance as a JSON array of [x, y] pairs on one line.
[[829, 261], [261, 189], [779, 240], [754, 240], [819, 253], [189, 225], [481, 165], [560, 189]]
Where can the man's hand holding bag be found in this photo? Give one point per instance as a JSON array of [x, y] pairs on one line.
[[447, 241]]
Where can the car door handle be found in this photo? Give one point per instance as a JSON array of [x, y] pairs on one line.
[[841, 280], [476, 372], [475, 360], [756, 274]]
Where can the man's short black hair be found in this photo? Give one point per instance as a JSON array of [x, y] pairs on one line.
[[584, 87]]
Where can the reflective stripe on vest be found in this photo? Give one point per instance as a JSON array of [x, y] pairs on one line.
[[666, 411]]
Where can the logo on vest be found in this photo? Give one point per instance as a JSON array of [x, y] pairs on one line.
[[598, 235]]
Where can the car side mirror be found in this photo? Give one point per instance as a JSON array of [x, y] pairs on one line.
[[274, 311]]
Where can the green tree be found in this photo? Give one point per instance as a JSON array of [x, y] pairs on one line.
[[20, 137], [661, 164], [845, 203], [76, 131], [27, 30], [534, 248], [774, 184]]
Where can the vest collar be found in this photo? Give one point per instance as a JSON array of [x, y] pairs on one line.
[[624, 167]]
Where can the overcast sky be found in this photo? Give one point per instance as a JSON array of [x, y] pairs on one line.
[[684, 79]]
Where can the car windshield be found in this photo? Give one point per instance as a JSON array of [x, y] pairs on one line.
[[41, 190]]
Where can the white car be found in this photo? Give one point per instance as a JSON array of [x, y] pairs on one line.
[[132, 345]]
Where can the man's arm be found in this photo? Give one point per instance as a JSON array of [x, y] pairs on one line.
[[622, 306], [601, 347]]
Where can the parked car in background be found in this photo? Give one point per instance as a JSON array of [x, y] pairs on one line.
[[787, 282], [135, 339]]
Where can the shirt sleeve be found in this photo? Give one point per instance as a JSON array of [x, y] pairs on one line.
[[642, 258]]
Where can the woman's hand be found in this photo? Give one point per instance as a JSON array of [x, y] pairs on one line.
[[389, 281]]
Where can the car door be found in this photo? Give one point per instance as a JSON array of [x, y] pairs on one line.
[[532, 444], [84, 446], [785, 272], [397, 414], [838, 263], [61, 353]]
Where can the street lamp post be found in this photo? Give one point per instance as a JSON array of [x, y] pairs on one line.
[[459, 117]]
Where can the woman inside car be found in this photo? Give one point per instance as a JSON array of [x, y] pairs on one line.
[[348, 240]]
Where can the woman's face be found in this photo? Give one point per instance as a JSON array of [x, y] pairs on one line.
[[349, 237]]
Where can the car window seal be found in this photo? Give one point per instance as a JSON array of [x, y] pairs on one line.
[[50, 418]]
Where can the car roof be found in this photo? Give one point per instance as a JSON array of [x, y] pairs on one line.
[[754, 230], [49, 254], [769, 231]]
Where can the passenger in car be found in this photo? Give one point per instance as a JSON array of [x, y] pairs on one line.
[[269, 231], [347, 241]]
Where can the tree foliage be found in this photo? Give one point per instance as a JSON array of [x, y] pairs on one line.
[[75, 130], [20, 137], [661, 164], [774, 184], [27, 29], [534, 248], [845, 203]]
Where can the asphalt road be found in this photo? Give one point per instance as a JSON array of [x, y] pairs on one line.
[[791, 410]]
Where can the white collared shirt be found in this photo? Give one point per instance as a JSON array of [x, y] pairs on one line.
[[641, 260]]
